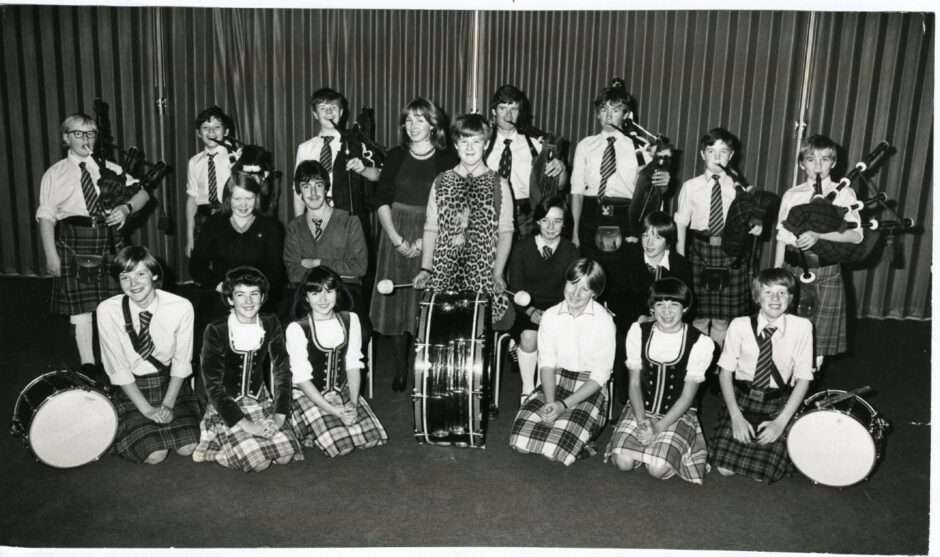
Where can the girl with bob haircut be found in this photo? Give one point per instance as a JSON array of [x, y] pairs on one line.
[[325, 350], [576, 354], [401, 202], [667, 360], [146, 339], [244, 426]]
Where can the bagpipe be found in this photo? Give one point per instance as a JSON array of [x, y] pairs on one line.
[[257, 160], [749, 208], [542, 186], [822, 216], [647, 197], [350, 191], [114, 187]]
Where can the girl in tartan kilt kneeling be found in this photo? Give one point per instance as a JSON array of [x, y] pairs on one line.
[[245, 425], [667, 360], [325, 350], [766, 368], [576, 355]]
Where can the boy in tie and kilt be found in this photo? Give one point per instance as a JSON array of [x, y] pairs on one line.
[[207, 172], [766, 368]]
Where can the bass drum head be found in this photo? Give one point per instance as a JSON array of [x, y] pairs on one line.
[[72, 428], [832, 448]]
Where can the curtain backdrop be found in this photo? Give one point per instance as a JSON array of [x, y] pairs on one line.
[[871, 78]]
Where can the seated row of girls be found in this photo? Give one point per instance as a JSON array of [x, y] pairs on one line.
[[146, 342]]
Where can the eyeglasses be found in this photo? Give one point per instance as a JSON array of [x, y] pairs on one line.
[[78, 134]]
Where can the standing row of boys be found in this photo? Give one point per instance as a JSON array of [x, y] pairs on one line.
[[448, 224]]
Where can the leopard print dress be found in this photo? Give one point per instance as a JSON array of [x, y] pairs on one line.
[[467, 207]]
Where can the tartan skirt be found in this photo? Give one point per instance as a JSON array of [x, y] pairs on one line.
[[397, 313], [138, 436], [681, 446], [316, 428], [234, 448], [734, 300], [569, 437], [829, 323], [767, 463], [71, 294]]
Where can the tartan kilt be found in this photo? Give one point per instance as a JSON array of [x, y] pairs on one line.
[[315, 428], [732, 301], [829, 323], [233, 448], [572, 435], [767, 463], [71, 296], [681, 446], [138, 436]]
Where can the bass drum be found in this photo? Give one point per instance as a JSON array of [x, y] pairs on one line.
[[452, 369], [837, 444], [65, 419]]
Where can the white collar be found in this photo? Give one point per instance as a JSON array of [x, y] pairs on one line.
[[540, 242], [664, 262], [780, 323], [588, 309]]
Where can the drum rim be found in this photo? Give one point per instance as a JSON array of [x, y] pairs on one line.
[[55, 372], [874, 446], [27, 433]]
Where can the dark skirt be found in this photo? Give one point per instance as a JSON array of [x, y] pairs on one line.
[[767, 463], [233, 447], [682, 446], [396, 313], [829, 323], [316, 428], [73, 292], [569, 437], [734, 300], [138, 436]]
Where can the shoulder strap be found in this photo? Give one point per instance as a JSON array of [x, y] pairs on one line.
[[532, 150], [135, 340], [774, 372]]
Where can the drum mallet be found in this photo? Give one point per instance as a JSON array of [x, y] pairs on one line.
[[386, 286], [829, 401]]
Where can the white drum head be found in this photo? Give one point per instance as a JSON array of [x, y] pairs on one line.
[[72, 428], [831, 448]]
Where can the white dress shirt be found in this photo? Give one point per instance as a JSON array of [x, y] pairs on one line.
[[586, 172], [582, 343], [197, 175], [60, 191], [792, 344], [521, 171], [695, 200]]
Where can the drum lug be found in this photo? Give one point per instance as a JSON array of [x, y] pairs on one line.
[[16, 428]]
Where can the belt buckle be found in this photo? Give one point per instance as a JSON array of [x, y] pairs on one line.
[[757, 395], [607, 210], [714, 240]]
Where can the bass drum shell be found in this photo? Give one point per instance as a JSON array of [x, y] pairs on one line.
[[66, 420], [834, 446], [452, 369]]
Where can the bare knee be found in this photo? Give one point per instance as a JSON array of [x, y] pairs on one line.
[[625, 463], [528, 341], [263, 466], [186, 450], [156, 457], [660, 471], [285, 459]]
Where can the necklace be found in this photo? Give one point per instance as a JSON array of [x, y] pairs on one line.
[[420, 155], [470, 170]]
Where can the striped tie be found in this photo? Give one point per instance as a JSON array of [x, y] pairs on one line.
[[608, 165], [317, 228], [765, 359], [326, 154], [716, 222], [505, 160], [546, 252], [146, 343], [213, 184], [88, 190]]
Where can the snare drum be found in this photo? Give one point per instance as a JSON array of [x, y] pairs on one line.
[[452, 369], [65, 419], [837, 445]]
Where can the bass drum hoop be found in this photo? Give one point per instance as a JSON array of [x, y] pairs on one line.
[[830, 449]]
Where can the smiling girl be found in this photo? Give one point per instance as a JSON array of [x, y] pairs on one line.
[[666, 360]]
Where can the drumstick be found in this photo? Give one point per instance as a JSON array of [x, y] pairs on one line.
[[826, 403], [386, 286]]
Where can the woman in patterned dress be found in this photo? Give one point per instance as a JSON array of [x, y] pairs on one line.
[[325, 350]]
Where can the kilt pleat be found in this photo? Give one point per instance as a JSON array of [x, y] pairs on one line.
[[233, 447], [732, 301], [316, 428], [682, 446], [70, 294], [767, 463], [138, 436], [572, 435], [829, 323], [397, 313]]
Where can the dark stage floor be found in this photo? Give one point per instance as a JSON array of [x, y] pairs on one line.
[[403, 494]]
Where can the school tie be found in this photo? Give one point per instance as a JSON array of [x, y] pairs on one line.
[[608, 165], [317, 228], [145, 341], [213, 184], [505, 160], [765, 360], [326, 154], [716, 222], [546, 253], [88, 190]]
